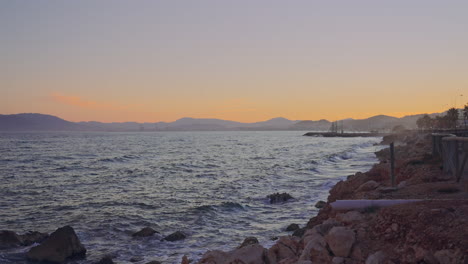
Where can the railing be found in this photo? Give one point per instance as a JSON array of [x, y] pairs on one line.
[[437, 143], [454, 153]]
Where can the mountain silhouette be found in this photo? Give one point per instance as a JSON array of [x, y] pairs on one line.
[[41, 122]]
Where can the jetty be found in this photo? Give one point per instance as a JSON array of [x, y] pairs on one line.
[[334, 134], [337, 130]]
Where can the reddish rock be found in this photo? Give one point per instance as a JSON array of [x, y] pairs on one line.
[[340, 240], [368, 186], [252, 254], [315, 249], [350, 217], [284, 248]]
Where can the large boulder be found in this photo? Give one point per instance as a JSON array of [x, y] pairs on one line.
[[279, 197], [251, 254], [59, 246], [9, 239], [325, 226], [145, 232], [340, 240], [315, 248], [285, 248]]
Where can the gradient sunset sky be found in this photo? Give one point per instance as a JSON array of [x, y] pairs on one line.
[[248, 61]]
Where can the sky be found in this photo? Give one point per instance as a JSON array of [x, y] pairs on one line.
[[243, 60]]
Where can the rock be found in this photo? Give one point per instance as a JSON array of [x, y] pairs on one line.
[[9, 239], [304, 262], [340, 240], [387, 189], [175, 236], [185, 260], [401, 184], [320, 204], [252, 254], [285, 248], [338, 260], [447, 256], [156, 262], [309, 235], [349, 217], [60, 245], [105, 260], [368, 186], [145, 232], [33, 237], [356, 253], [292, 227], [279, 197], [315, 248], [378, 257], [324, 227], [249, 241], [136, 259], [299, 232]]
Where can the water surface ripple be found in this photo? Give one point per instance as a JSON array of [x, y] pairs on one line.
[[210, 185]]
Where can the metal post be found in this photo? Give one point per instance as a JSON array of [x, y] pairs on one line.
[[392, 163]]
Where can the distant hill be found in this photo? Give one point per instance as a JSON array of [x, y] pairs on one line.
[[320, 125], [35, 122], [41, 122]]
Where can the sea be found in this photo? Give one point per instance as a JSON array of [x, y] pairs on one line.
[[212, 186]]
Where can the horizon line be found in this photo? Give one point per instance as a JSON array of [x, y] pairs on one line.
[[188, 117]]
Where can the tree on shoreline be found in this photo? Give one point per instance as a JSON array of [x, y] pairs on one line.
[[452, 117], [425, 122], [442, 122], [465, 114]]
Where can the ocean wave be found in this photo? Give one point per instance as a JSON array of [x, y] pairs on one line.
[[224, 206]]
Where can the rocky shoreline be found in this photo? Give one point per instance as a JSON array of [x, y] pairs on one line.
[[434, 230]]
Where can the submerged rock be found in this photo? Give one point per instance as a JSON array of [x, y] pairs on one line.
[[249, 241], [279, 197], [175, 236], [105, 260], [145, 232], [320, 204], [292, 227], [33, 237], [61, 245], [9, 239]]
